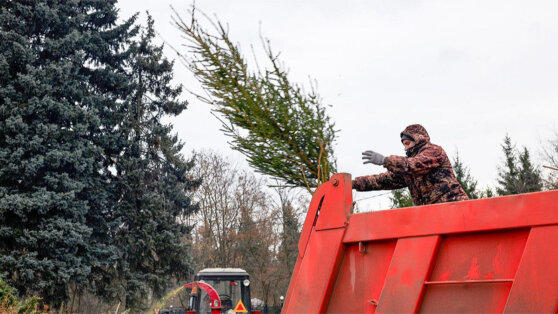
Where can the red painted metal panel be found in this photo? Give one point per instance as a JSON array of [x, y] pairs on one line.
[[479, 256], [473, 256], [535, 288], [320, 251], [339, 203], [361, 278], [518, 211], [465, 298], [288, 295], [407, 272], [474, 272], [314, 281], [311, 217]]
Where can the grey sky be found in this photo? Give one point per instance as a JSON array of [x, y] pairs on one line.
[[469, 71]]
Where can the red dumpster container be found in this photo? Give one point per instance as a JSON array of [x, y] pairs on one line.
[[491, 255]]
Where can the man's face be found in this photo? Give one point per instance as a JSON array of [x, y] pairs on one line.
[[408, 144]]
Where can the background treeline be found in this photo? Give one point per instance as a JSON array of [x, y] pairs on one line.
[[244, 223]]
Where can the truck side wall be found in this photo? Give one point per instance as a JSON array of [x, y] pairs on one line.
[[490, 255]]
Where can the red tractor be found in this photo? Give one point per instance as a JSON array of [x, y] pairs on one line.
[[220, 290]]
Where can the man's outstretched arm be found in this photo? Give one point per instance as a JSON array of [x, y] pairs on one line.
[[383, 181]]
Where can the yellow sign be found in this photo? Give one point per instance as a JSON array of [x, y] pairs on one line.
[[240, 308]]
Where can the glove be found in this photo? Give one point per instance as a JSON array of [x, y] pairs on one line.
[[371, 157]]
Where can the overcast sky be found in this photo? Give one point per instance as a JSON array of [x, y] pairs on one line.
[[469, 71]]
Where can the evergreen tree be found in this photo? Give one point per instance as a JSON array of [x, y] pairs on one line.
[[508, 173], [530, 178], [288, 250], [106, 47], [9, 303], [283, 130], [517, 175], [153, 182], [61, 76], [463, 175], [401, 198]]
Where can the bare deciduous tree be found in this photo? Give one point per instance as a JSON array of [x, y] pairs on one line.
[[235, 226], [550, 155]]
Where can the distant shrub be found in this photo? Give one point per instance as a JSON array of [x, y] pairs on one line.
[[9, 303]]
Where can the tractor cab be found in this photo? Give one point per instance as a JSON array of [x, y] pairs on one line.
[[220, 290]]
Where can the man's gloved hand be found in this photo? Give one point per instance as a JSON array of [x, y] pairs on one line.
[[371, 157]]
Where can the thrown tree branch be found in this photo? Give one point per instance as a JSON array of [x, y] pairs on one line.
[[283, 131]]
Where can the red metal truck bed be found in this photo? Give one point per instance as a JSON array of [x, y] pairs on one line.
[[484, 256]]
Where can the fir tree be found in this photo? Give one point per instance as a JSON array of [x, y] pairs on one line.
[[487, 193], [401, 198], [288, 250], [530, 178], [463, 175], [517, 175], [153, 182], [508, 173], [283, 130], [106, 47], [61, 78]]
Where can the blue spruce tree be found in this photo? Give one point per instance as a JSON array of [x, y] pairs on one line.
[[518, 174], [61, 78], [153, 182]]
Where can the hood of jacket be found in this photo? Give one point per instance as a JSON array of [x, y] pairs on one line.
[[420, 136]]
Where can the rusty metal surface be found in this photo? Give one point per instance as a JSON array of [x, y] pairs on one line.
[[465, 298], [493, 255]]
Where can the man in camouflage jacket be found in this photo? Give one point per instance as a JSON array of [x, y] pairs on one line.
[[426, 171]]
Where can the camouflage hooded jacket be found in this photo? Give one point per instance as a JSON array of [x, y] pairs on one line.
[[426, 171]]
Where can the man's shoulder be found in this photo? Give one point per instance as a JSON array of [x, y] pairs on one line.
[[431, 148]]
